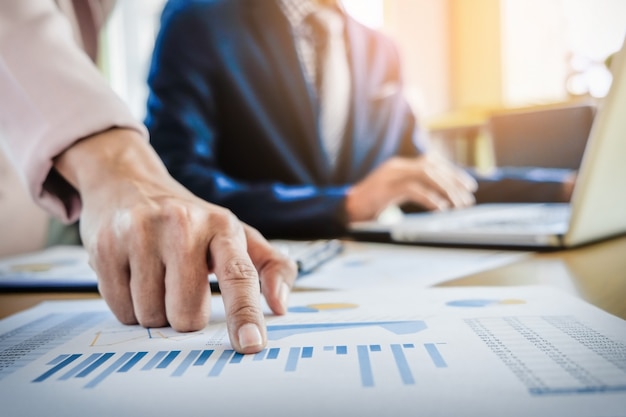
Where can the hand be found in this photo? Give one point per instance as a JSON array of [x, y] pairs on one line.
[[428, 180], [567, 189], [153, 244]]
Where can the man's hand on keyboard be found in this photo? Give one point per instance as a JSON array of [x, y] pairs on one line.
[[428, 180]]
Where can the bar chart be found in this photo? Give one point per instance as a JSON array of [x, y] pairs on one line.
[[95, 368], [339, 354]]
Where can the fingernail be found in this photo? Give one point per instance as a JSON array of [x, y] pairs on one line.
[[284, 294], [249, 336]]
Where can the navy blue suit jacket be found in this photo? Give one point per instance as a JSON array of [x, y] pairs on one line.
[[234, 120]]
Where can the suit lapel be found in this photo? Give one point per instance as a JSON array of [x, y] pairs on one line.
[[275, 40]]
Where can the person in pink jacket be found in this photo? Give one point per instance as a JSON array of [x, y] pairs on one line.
[[151, 242]]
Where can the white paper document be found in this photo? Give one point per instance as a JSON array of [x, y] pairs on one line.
[[58, 267], [359, 264], [365, 264], [511, 351]]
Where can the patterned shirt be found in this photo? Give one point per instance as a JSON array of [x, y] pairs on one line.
[[296, 12]]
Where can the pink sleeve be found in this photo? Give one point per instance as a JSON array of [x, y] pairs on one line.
[[51, 95]]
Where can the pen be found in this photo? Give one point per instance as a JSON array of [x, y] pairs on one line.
[[316, 254], [307, 257]]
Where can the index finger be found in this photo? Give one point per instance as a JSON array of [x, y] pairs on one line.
[[239, 285]]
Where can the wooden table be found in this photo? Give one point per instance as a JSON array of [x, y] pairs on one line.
[[596, 273]]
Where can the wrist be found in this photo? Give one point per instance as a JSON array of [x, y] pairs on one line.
[[114, 153], [351, 206]]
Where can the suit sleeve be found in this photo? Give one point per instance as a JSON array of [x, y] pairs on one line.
[[183, 125], [51, 95]]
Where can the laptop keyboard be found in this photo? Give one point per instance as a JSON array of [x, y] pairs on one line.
[[531, 217]]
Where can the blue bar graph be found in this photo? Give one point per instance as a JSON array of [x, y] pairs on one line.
[[132, 362], [237, 358], [154, 361], [307, 352], [276, 332], [109, 370], [186, 363], [364, 356], [435, 355], [403, 365], [69, 359], [221, 362], [260, 356], [168, 359], [57, 360], [204, 356], [102, 359], [78, 368], [365, 366], [273, 353], [292, 359]]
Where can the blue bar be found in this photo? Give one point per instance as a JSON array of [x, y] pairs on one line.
[[342, 350], [102, 359], [408, 345], [307, 352], [132, 362], [186, 363], [329, 348], [367, 378], [155, 359], [259, 356], [57, 360], [221, 362], [435, 355], [168, 359], [374, 348], [204, 356], [403, 365], [292, 359], [80, 366], [57, 368], [237, 357], [109, 370], [273, 353]]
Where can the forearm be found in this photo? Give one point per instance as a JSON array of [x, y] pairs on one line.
[[113, 154], [277, 210], [52, 96]]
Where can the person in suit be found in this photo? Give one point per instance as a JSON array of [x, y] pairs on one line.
[[151, 242], [239, 112]]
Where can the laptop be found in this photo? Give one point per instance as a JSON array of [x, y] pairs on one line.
[[549, 137], [597, 209]]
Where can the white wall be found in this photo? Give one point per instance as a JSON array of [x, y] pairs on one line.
[[548, 42]]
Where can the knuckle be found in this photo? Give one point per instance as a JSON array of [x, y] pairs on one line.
[[188, 322], [225, 219], [153, 318], [239, 270], [125, 318], [124, 314], [100, 244], [243, 311]]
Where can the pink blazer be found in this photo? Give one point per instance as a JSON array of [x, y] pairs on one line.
[[51, 93]]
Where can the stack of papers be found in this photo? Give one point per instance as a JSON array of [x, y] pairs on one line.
[[351, 265], [509, 351]]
